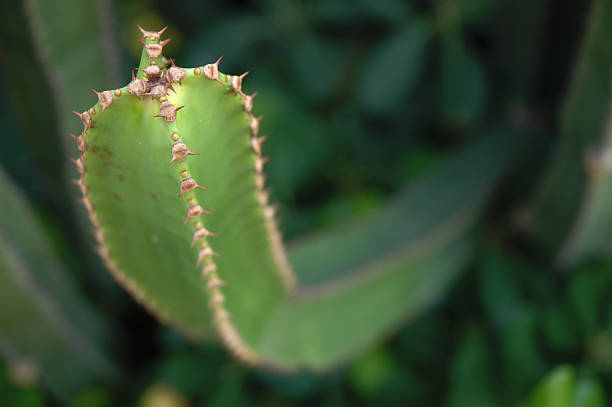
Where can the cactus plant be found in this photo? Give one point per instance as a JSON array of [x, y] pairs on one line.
[[171, 172]]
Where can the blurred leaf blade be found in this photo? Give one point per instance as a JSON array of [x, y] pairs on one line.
[[77, 50], [556, 389], [30, 99], [513, 319], [471, 373], [461, 84], [569, 199], [35, 283], [561, 388], [589, 393], [393, 69]]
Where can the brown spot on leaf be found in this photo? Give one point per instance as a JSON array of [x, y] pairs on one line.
[[154, 196], [131, 170], [117, 197], [95, 149], [120, 177], [110, 163]]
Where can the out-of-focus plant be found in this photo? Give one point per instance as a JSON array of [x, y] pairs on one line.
[[561, 388], [49, 331], [360, 102]]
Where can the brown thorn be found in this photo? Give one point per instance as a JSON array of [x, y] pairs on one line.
[[85, 118], [205, 252], [194, 211], [189, 184], [218, 60], [216, 299], [78, 164], [208, 269], [260, 162], [200, 234], [180, 151], [214, 283], [167, 111], [165, 42], [256, 144]]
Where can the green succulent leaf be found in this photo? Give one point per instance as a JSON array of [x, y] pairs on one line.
[[148, 151]]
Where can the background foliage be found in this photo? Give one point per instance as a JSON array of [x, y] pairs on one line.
[[359, 97]]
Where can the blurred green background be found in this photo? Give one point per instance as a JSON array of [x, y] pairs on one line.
[[359, 97]]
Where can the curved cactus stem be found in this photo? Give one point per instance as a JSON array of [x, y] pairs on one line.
[[151, 223]]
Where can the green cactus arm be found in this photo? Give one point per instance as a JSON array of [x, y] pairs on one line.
[[34, 283], [572, 219], [147, 152]]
